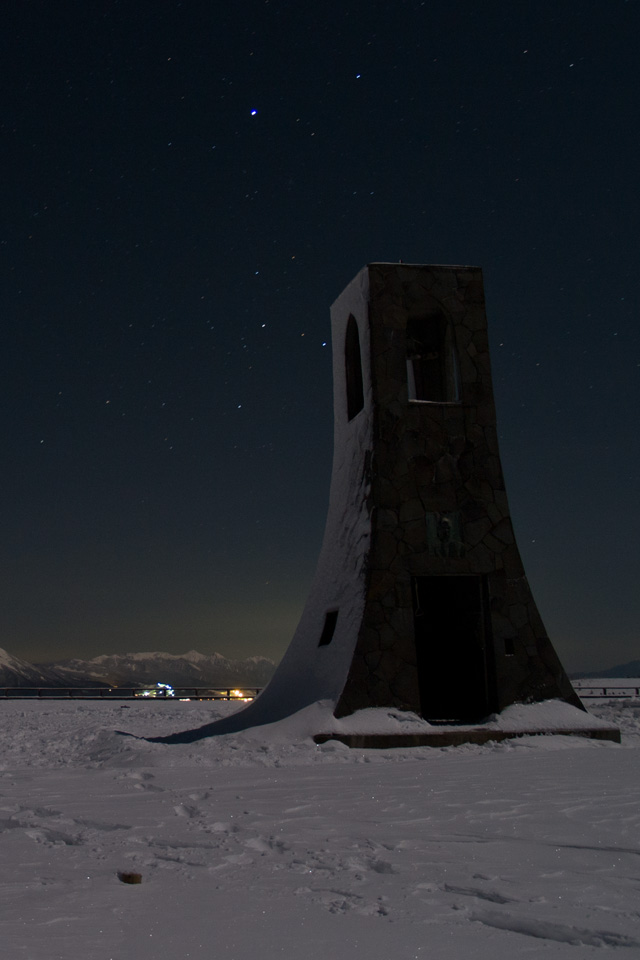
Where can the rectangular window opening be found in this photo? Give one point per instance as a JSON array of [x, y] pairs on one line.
[[433, 374], [330, 620]]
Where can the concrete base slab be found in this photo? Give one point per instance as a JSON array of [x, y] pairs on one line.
[[454, 738]]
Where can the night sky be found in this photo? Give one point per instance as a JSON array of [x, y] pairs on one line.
[[187, 186]]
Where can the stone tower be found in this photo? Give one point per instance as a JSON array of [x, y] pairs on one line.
[[449, 626], [420, 601]]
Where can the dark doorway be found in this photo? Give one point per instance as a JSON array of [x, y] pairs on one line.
[[451, 648]]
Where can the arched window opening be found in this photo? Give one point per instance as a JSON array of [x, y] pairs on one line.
[[353, 370], [432, 364]]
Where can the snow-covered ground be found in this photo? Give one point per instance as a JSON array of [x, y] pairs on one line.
[[262, 845]]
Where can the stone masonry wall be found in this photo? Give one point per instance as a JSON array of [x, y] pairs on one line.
[[438, 502]]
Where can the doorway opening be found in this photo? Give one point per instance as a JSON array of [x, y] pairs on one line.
[[452, 636]]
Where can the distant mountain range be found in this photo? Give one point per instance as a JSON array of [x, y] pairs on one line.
[[631, 669], [190, 669]]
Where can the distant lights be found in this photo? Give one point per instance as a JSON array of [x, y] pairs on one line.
[[159, 690], [254, 113]]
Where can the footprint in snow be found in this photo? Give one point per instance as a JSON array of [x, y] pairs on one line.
[[491, 895], [342, 901], [187, 811], [556, 932], [381, 866], [53, 838], [267, 845], [143, 781]]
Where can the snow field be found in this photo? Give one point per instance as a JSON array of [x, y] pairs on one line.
[[264, 845]]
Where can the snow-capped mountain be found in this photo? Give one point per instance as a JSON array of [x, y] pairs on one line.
[[190, 669], [15, 672]]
